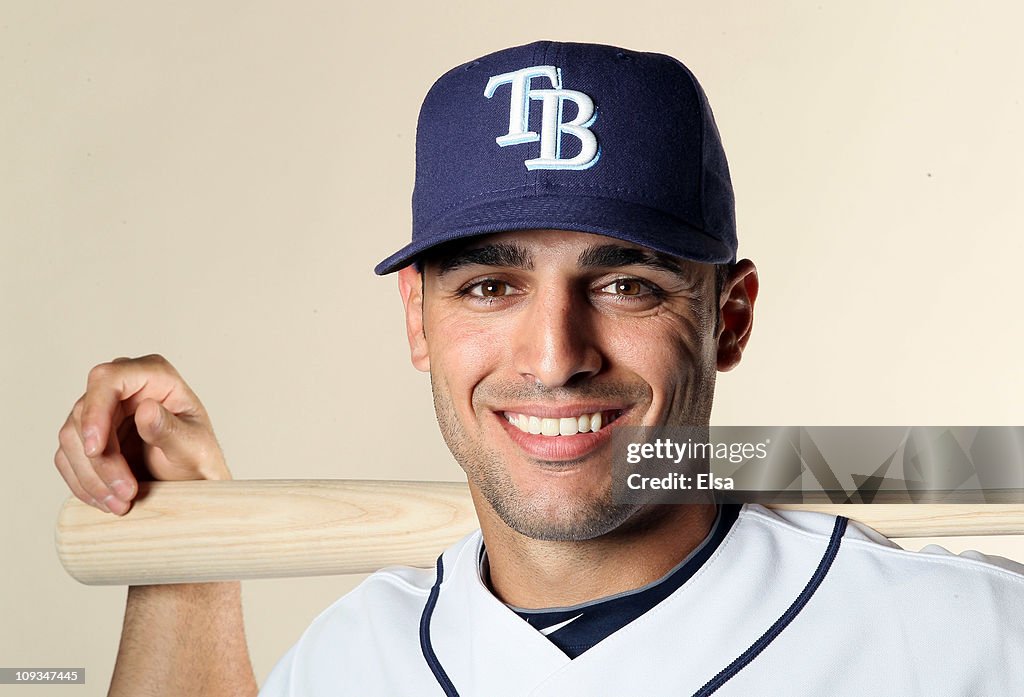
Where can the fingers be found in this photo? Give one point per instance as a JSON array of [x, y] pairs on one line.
[[127, 382], [108, 385], [64, 467], [144, 405], [104, 481], [102, 396]]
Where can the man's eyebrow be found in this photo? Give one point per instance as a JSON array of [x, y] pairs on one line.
[[497, 254], [614, 256]]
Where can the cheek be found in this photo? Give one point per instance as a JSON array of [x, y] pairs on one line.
[[666, 344], [464, 350], [673, 355]]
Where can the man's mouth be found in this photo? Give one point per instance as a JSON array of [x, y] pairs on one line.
[[568, 425]]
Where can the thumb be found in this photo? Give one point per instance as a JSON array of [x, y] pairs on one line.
[[161, 428]]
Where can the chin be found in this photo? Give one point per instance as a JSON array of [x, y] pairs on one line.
[[560, 518]]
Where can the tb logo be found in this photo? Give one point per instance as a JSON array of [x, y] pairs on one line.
[[552, 128]]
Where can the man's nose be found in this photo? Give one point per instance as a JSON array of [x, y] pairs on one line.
[[555, 342]]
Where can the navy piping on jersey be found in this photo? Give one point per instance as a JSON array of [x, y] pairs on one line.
[[801, 600], [712, 685], [428, 650]]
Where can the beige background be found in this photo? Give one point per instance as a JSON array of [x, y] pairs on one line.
[[215, 181]]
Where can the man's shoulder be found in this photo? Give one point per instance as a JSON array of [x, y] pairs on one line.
[[870, 546], [375, 623], [393, 594], [959, 618]]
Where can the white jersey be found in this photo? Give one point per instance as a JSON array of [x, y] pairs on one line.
[[790, 603]]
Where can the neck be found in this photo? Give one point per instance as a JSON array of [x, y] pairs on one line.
[[530, 573]]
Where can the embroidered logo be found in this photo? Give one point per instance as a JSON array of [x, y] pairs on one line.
[[552, 127]]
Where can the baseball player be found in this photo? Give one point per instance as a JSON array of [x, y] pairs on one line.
[[572, 272]]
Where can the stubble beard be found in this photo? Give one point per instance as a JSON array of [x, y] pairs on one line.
[[540, 516], [565, 518]]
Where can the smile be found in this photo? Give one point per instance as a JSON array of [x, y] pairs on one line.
[[563, 426]]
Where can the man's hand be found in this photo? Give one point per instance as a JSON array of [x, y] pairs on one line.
[[137, 420]]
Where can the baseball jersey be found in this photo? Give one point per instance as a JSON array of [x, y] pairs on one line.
[[578, 628], [789, 603]]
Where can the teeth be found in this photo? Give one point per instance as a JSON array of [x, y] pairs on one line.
[[566, 426]]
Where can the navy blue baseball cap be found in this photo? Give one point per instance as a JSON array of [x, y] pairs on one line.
[[571, 136]]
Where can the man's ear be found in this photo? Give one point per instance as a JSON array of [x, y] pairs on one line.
[[410, 286], [736, 312]]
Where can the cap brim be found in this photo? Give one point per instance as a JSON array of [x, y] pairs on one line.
[[613, 218]]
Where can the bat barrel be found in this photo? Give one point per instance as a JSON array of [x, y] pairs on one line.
[[178, 532]]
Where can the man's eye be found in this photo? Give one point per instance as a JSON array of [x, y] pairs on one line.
[[627, 286], [489, 289]]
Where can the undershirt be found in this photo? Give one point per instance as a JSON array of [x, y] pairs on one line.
[[579, 627]]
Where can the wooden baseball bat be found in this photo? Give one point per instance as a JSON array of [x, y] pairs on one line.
[[178, 532]]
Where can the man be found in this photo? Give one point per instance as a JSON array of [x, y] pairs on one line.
[[572, 274]]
